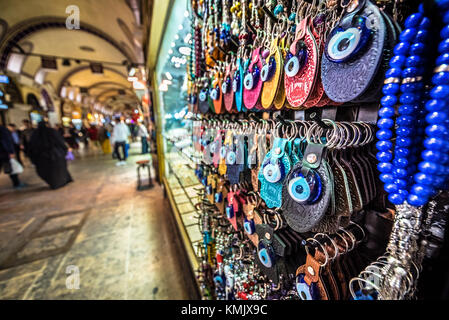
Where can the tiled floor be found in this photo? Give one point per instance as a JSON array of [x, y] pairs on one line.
[[99, 234]]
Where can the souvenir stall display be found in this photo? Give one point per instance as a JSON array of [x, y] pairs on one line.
[[318, 135]]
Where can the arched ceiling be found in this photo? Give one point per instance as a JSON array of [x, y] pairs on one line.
[[111, 30]]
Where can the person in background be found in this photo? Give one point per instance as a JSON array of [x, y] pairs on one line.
[[93, 135], [119, 139], [48, 153], [103, 139], [84, 134], [142, 132], [7, 152], [27, 132], [16, 138]]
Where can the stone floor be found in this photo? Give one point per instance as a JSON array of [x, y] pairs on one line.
[[97, 238]]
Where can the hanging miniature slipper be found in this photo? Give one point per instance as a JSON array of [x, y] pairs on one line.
[[235, 159], [233, 206], [252, 82], [300, 66], [215, 93], [309, 283], [271, 74], [216, 147], [226, 87], [204, 100], [353, 52], [225, 146], [279, 100], [237, 85]]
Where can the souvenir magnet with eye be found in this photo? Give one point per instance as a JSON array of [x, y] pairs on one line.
[[305, 190], [296, 58]]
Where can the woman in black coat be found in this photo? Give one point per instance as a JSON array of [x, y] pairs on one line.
[[47, 152]]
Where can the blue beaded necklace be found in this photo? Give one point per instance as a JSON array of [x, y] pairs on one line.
[[407, 176]]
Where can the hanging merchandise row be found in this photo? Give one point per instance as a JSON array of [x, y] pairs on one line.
[[320, 137]]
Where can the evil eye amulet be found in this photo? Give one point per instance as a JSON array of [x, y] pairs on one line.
[[203, 95], [251, 79], [230, 158], [266, 255], [272, 172], [268, 70], [249, 227], [296, 62], [218, 197], [236, 83], [305, 189], [305, 292], [230, 211], [215, 93], [226, 85], [345, 44]]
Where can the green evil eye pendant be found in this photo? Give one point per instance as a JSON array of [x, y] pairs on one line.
[[266, 255], [251, 78], [305, 292], [230, 211], [268, 70], [226, 85], [296, 59], [305, 190], [273, 170], [230, 158], [215, 93], [236, 82], [203, 95], [344, 44], [249, 226]]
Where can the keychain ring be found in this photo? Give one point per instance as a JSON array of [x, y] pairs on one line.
[[332, 241], [324, 251]]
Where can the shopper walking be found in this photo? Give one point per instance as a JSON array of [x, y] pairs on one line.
[[119, 138], [26, 134], [16, 138], [7, 153], [48, 153], [142, 132]]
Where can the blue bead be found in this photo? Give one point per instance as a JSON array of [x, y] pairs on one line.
[[386, 112], [436, 131], [386, 177], [410, 72], [446, 17], [416, 200], [421, 189], [400, 162], [432, 155], [413, 61], [406, 109], [411, 87], [384, 156], [444, 33], [442, 4], [421, 36], [443, 47], [413, 20], [388, 101], [401, 183], [435, 105], [401, 152], [435, 144], [425, 23], [390, 88], [417, 48], [423, 178], [409, 98], [384, 145], [442, 59], [401, 49], [440, 92], [384, 134], [405, 121], [385, 123], [393, 73], [403, 132], [408, 35], [428, 167], [440, 78], [390, 188], [436, 117], [399, 173], [397, 61], [385, 167], [396, 198]]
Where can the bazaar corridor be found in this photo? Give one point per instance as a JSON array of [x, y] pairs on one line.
[[120, 239]]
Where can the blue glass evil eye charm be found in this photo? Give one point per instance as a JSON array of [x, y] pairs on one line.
[[209, 189], [236, 82], [249, 226], [272, 172], [295, 62], [230, 211], [226, 85], [203, 95], [266, 255], [251, 79], [230, 158], [345, 44], [305, 190], [215, 93], [222, 152], [218, 197], [305, 292], [268, 70]]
